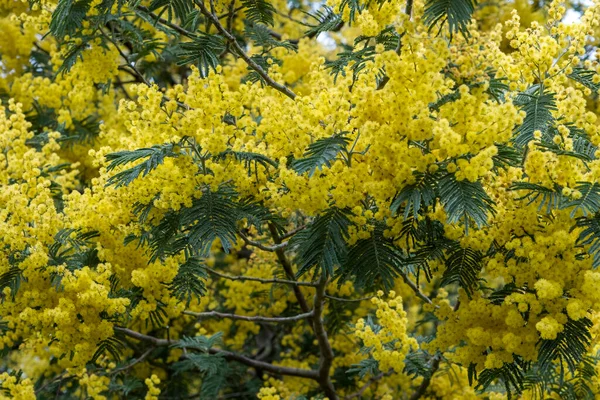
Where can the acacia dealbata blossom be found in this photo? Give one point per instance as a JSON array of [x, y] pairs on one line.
[[355, 199]]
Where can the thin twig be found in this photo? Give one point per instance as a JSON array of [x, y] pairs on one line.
[[425, 383], [415, 289], [134, 362], [171, 25], [292, 232], [348, 300], [240, 51], [261, 246], [364, 387], [216, 314], [287, 267], [326, 359], [228, 355], [261, 280]]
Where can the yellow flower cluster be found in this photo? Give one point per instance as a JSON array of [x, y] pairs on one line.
[[391, 343]]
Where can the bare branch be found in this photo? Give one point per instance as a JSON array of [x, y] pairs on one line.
[[216, 314], [261, 280], [292, 232], [287, 267], [348, 300], [425, 383], [163, 21], [326, 360], [228, 355], [371, 381], [261, 246], [134, 362], [240, 51], [415, 289]]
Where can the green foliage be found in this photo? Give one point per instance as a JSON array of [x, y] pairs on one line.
[[68, 17], [327, 20], [321, 152], [251, 160], [465, 201], [262, 37], [590, 236], [589, 202], [212, 216], [323, 243], [568, 348], [550, 198], [213, 367], [11, 279], [203, 51], [189, 281], [368, 366], [371, 261], [585, 77], [259, 11], [512, 376], [538, 105], [463, 266], [507, 157], [74, 249], [112, 346], [422, 193], [155, 156], [362, 52], [199, 343], [179, 9], [456, 12]]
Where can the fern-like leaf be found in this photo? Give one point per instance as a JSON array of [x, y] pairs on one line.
[[374, 260], [550, 198], [538, 105], [465, 201], [589, 202], [463, 266], [417, 195], [323, 243], [212, 216], [590, 236], [585, 77], [199, 343], [203, 51], [327, 20], [189, 281], [259, 11], [456, 12], [68, 17], [154, 155], [321, 152], [262, 37], [568, 348]]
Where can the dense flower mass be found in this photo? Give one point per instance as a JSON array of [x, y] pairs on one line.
[[391, 199]]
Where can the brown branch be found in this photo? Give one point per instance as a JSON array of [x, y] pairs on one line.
[[348, 300], [415, 289], [261, 280], [134, 362], [287, 267], [425, 384], [292, 232], [171, 25], [261, 246], [371, 381], [240, 51], [408, 9], [228, 355], [216, 314], [326, 359]]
